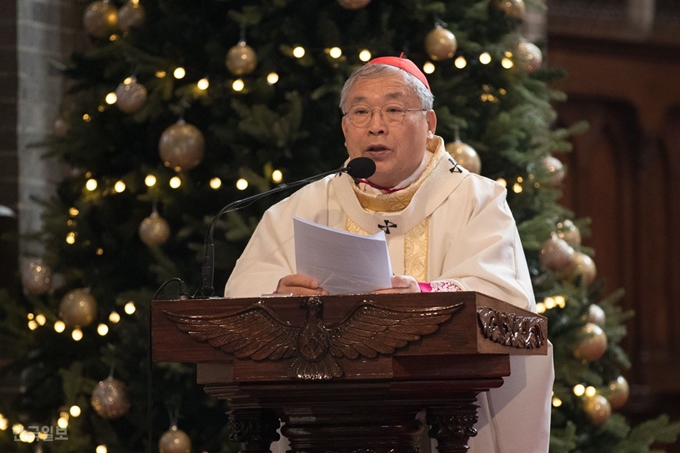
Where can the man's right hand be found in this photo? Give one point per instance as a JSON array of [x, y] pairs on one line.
[[300, 285]]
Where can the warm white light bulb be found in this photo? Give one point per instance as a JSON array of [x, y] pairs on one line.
[[114, 317], [272, 78], [74, 411], [238, 85], [241, 184], [111, 98], [460, 62], [277, 176], [365, 55], [429, 67], [175, 182], [91, 184], [102, 329], [215, 183], [299, 52], [77, 334], [150, 180], [130, 308], [203, 84], [335, 52], [485, 58], [119, 187], [59, 326], [179, 73]]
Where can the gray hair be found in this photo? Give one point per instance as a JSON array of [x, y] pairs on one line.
[[373, 71]]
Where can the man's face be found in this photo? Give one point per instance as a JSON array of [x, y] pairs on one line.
[[396, 149]]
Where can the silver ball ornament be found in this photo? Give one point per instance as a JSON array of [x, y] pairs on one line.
[[174, 441], [36, 277], [181, 146], [78, 308], [131, 95], [528, 57], [556, 255], [100, 19], [241, 59], [513, 8], [60, 127], [549, 171], [596, 315], [131, 15], [110, 399], [154, 230]]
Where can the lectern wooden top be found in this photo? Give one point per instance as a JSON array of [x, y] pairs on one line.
[[344, 337]]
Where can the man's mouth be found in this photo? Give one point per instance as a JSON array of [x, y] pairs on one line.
[[377, 148]]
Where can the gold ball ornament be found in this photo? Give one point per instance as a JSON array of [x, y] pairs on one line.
[[549, 171], [241, 59], [569, 232], [596, 315], [110, 399], [465, 155], [440, 44], [513, 8], [131, 15], [174, 441], [131, 95], [594, 343], [528, 57], [154, 230], [353, 4], [78, 308], [597, 408], [181, 146], [100, 19], [583, 266], [556, 255], [619, 391], [36, 277]]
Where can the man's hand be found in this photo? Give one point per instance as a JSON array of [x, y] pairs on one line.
[[300, 285], [400, 284]]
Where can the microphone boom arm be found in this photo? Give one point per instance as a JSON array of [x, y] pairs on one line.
[[208, 270]]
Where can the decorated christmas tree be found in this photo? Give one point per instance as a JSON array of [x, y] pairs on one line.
[[178, 108]]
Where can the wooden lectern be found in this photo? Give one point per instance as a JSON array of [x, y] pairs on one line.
[[348, 373]]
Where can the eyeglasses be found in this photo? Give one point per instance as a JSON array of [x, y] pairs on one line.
[[361, 115]]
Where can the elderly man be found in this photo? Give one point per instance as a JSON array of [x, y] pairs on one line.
[[447, 230]]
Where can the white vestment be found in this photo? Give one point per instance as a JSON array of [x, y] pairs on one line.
[[471, 242]]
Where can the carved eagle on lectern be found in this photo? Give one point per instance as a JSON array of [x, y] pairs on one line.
[[258, 333]]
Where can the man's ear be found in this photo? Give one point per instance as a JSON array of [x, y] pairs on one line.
[[431, 119]]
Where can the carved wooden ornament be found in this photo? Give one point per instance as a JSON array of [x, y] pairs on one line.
[[509, 329], [259, 333]]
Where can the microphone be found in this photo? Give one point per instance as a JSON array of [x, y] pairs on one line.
[[360, 167]]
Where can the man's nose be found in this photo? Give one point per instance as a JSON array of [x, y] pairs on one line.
[[376, 123]]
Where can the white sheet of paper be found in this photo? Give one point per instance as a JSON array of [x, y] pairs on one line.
[[342, 262]]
